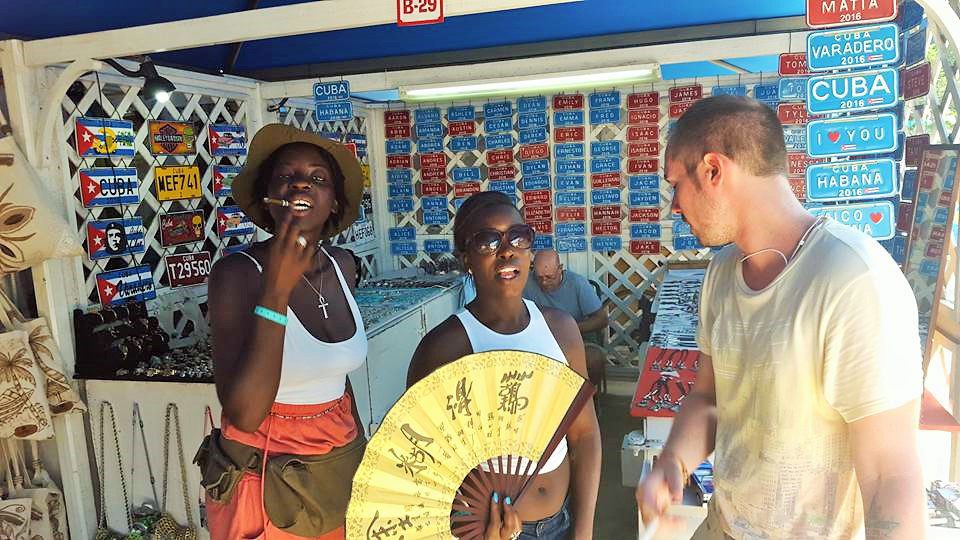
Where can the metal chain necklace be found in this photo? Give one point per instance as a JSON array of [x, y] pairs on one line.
[[321, 301], [786, 260], [173, 414], [102, 530]]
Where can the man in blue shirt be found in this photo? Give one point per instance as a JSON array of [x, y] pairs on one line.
[[554, 287]]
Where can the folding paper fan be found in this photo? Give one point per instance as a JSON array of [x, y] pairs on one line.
[[483, 424]]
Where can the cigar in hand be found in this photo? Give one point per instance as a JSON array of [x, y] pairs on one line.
[[278, 202]]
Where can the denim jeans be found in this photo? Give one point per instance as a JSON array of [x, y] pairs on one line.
[[556, 527]]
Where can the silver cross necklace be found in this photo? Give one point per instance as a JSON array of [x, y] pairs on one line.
[[321, 301]]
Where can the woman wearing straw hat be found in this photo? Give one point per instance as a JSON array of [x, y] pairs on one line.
[[286, 331]]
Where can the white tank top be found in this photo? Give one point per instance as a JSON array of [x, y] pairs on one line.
[[315, 371], [535, 338]]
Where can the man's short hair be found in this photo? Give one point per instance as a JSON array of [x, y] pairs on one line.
[[741, 128]]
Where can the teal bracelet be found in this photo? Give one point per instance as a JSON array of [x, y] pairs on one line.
[[270, 315]]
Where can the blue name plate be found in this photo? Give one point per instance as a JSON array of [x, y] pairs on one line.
[[495, 142], [605, 196], [793, 89], [572, 245], [532, 104], [334, 111], [645, 231], [728, 91], [644, 198], [403, 248], [569, 198], [876, 219], [433, 203], [400, 205], [536, 166], [465, 174], [436, 217], [532, 136], [463, 144], [916, 49], [400, 190], [605, 99], [503, 186], [855, 47], [399, 146], [427, 116], [498, 125], [604, 165], [644, 181], [606, 243], [532, 120], [399, 175], [609, 115], [852, 92], [684, 243], [543, 241], [909, 189], [497, 110], [575, 228], [570, 166], [402, 233], [852, 180], [852, 136], [568, 118], [541, 181], [430, 146], [568, 150], [571, 181], [795, 138], [331, 91], [424, 131], [766, 92], [437, 246], [461, 114], [606, 149], [681, 228]]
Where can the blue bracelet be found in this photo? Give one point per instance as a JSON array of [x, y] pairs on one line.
[[270, 315]]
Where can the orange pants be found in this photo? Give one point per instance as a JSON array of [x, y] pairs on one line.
[[288, 429]]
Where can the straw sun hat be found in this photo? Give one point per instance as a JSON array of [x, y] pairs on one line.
[[265, 143]]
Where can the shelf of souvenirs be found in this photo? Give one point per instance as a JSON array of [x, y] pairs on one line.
[[126, 343]]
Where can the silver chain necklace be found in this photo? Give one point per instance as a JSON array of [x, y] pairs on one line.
[[321, 301], [786, 260]]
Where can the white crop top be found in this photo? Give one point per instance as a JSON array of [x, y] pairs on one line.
[[535, 338], [316, 371]]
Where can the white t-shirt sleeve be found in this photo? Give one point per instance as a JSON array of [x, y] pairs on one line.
[[704, 320], [872, 359]]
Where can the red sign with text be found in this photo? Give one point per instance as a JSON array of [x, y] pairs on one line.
[[643, 100], [433, 160], [606, 213], [691, 92], [643, 149], [567, 101], [540, 196], [598, 228], [466, 189], [541, 226], [606, 180], [467, 127], [571, 213], [793, 64], [537, 212], [534, 151], [508, 172], [398, 131], [434, 188], [830, 13], [905, 217], [643, 166], [417, 12], [677, 109], [799, 188], [396, 117], [913, 149], [399, 161], [650, 214], [433, 174], [645, 247], [797, 163], [915, 82], [569, 134], [499, 157], [791, 114], [643, 133], [643, 116]]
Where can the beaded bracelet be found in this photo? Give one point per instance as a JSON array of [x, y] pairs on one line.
[[270, 315]]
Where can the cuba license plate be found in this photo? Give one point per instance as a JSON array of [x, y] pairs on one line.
[[188, 269], [177, 183]]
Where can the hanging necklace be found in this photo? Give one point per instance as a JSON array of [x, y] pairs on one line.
[[321, 301], [786, 260]]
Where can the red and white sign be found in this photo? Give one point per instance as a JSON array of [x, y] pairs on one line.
[[465, 189], [649, 214], [572, 213], [606, 213], [830, 13], [797, 163], [499, 157], [915, 82], [508, 172], [434, 188], [417, 12], [188, 269], [905, 217], [913, 149], [606, 180], [643, 166], [643, 149], [541, 226], [643, 133], [467, 127], [799, 188], [433, 174], [793, 114], [433, 160], [677, 109], [643, 116], [691, 92], [946, 197], [598, 228], [643, 100], [398, 131], [540, 196], [793, 64], [537, 212], [934, 250], [938, 233], [645, 247], [567, 101], [399, 161], [534, 151], [568, 134], [391, 118]]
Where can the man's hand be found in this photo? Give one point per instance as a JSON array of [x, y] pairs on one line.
[[662, 487]]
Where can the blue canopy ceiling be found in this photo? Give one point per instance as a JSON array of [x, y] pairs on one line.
[[585, 25]]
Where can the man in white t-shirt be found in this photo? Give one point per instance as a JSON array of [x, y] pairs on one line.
[[810, 374]]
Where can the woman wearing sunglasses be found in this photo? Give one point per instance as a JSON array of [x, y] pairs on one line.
[[495, 248]]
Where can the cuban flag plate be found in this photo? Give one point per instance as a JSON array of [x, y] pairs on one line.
[[114, 237], [126, 285], [105, 137]]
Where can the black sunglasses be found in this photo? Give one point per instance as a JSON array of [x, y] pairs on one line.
[[488, 241]]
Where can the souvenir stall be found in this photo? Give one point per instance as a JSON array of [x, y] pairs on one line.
[[141, 160]]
